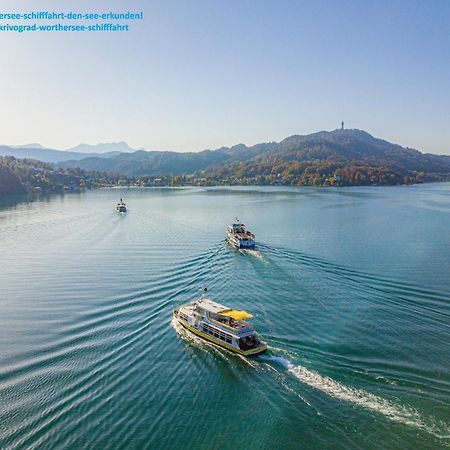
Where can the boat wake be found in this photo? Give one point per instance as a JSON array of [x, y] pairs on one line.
[[405, 415], [398, 413], [254, 253]]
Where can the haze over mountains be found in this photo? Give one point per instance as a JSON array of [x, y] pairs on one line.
[[342, 147], [46, 154], [41, 153], [27, 146], [103, 148]]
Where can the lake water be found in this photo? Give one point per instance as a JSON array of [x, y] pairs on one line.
[[350, 287]]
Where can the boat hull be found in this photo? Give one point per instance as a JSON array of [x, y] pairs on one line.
[[253, 351], [240, 244]]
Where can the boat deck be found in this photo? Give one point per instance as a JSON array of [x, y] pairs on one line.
[[223, 321], [242, 235], [234, 325]]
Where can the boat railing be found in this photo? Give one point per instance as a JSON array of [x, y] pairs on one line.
[[246, 235], [237, 324]]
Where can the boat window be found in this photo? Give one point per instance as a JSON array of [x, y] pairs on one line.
[[216, 333]]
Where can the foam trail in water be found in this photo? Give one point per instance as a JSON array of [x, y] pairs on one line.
[[255, 253], [402, 414], [405, 415]]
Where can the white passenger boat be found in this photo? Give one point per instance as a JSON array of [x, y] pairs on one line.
[[121, 207], [221, 325], [239, 237]]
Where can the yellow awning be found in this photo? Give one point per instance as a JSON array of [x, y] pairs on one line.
[[235, 314]]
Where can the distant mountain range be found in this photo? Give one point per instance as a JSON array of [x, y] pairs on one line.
[[114, 147], [27, 146], [342, 147], [323, 152], [48, 155]]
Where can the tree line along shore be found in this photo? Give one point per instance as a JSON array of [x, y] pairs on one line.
[[20, 176]]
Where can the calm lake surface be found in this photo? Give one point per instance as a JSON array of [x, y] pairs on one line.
[[350, 288]]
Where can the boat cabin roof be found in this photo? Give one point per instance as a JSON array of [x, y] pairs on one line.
[[211, 306], [221, 310]]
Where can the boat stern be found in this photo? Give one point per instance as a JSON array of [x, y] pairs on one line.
[[247, 244], [255, 351]]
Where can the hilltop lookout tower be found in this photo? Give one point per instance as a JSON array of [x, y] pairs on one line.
[[342, 125]]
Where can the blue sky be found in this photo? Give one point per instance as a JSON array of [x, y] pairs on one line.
[[201, 74]]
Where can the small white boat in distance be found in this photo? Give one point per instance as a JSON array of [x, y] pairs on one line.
[[221, 325], [121, 206], [239, 237]]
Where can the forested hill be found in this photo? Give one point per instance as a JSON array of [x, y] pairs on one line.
[[19, 176], [339, 157], [354, 155], [9, 182]]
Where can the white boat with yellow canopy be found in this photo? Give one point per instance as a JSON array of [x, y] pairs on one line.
[[221, 325]]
